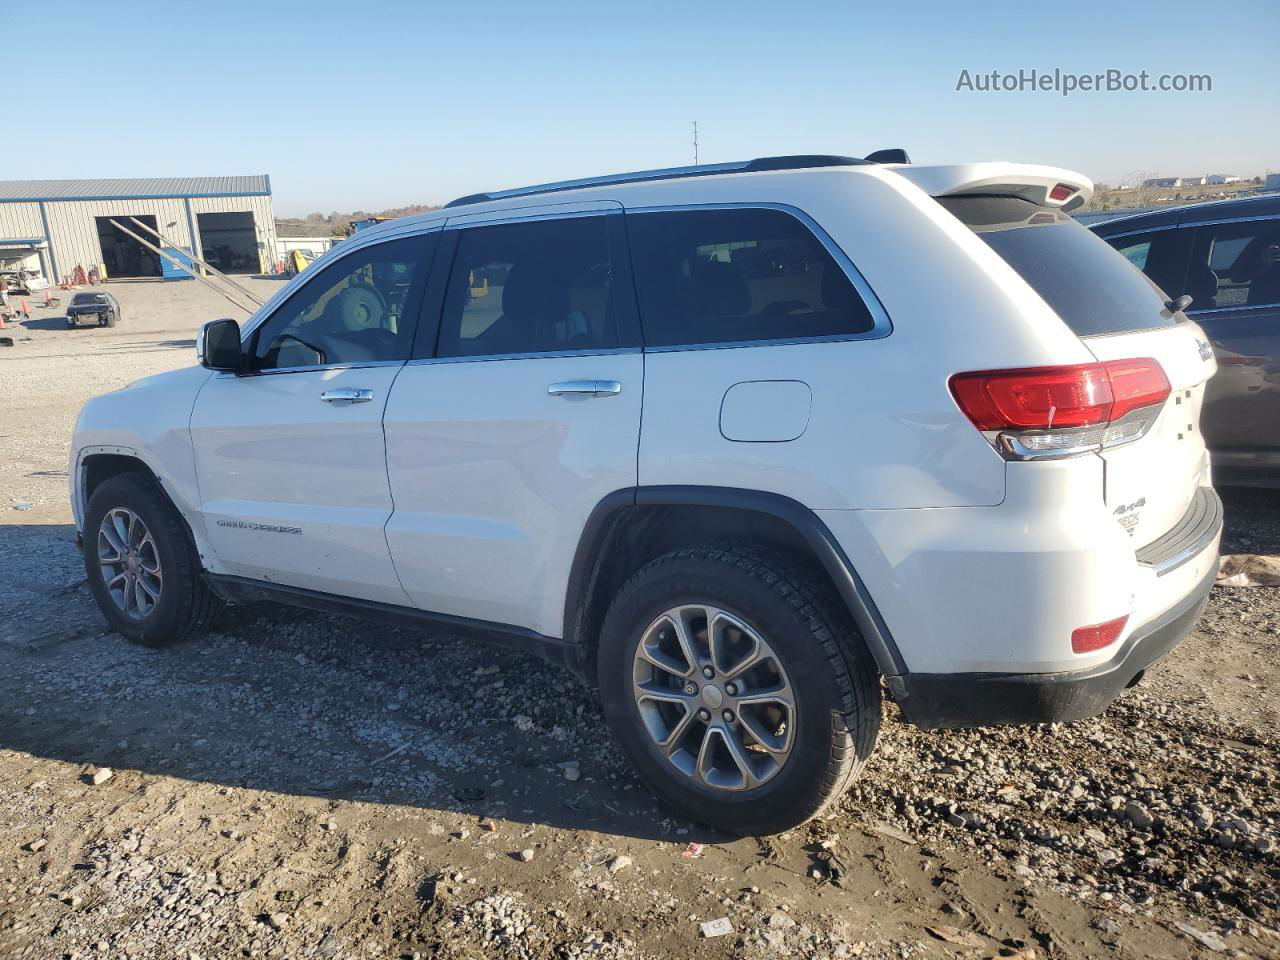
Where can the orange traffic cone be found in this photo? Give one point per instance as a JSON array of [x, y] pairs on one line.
[[26, 310], [1, 320], [48, 299]]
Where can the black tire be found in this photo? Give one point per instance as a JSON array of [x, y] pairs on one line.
[[111, 318], [836, 686], [185, 601]]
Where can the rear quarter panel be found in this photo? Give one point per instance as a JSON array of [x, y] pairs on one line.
[[884, 431]]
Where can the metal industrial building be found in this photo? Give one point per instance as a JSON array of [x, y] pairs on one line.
[[57, 225]]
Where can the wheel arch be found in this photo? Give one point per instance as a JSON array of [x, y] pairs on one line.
[[630, 527], [98, 464]]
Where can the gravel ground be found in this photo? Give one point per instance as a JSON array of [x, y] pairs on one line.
[[298, 785]]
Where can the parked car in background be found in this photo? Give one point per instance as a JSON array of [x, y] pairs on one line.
[[1226, 257], [93, 306], [736, 443]]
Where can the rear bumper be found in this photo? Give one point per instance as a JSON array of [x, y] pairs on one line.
[[982, 699]]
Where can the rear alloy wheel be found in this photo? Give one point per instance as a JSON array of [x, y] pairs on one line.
[[741, 694], [140, 563], [714, 697]]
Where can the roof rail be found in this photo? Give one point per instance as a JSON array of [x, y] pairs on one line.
[[669, 173]]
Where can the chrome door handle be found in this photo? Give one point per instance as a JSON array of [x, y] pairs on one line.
[[347, 395], [585, 388]]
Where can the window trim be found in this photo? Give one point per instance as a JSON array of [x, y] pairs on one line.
[[882, 325], [1191, 224], [426, 346], [414, 304]]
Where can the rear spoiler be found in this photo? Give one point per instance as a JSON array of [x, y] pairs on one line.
[[1047, 186]]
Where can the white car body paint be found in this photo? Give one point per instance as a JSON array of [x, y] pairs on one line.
[[475, 503]]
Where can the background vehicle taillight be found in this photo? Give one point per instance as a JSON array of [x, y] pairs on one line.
[[1042, 412]]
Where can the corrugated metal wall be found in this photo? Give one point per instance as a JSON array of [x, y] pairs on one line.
[[20, 221], [73, 229]]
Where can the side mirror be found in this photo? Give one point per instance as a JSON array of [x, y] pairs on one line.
[[218, 346]]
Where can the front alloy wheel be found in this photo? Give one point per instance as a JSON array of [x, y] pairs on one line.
[[140, 563], [714, 697], [130, 563]]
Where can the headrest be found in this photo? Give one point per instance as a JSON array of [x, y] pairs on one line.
[[719, 289], [534, 293]]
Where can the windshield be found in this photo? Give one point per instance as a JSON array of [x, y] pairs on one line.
[[1094, 289], [90, 298]]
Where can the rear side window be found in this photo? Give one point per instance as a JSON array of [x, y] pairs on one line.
[[716, 276], [542, 286], [1094, 289]]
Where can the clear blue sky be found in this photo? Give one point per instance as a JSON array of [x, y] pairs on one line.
[[351, 105]]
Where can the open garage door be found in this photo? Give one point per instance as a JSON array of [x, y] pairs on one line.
[[125, 257], [230, 242]]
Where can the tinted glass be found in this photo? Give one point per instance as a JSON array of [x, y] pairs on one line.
[[1088, 284], [1136, 253], [1237, 265], [537, 287], [353, 311], [1160, 254], [714, 276]]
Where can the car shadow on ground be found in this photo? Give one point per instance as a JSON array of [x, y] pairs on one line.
[[301, 703], [143, 346], [52, 323]]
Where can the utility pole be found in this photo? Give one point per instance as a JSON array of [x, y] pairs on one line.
[[695, 143]]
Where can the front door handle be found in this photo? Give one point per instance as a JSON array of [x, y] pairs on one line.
[[585, 388], [347, 395]]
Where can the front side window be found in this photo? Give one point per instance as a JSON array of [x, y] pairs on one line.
[[541, 286], [354, 311], [1136, 253], [1238, 265], [1160, 254], [716, 276]]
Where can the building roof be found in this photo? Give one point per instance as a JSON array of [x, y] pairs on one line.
[[149, 188]]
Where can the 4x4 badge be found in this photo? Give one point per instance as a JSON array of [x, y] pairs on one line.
[[1206, 351]]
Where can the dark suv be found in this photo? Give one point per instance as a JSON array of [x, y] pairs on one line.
[[1226, 257]]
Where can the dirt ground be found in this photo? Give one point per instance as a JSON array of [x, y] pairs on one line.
[[297, 785]]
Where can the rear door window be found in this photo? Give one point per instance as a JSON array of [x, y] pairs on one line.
[[716, 276], [1237, 264], [1091, 287]]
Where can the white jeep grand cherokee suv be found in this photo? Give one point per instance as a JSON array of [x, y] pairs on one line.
[[735, 443]]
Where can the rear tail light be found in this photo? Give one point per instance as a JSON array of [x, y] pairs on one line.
[[1088, 639], [1061, 192], [1043, 412]]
